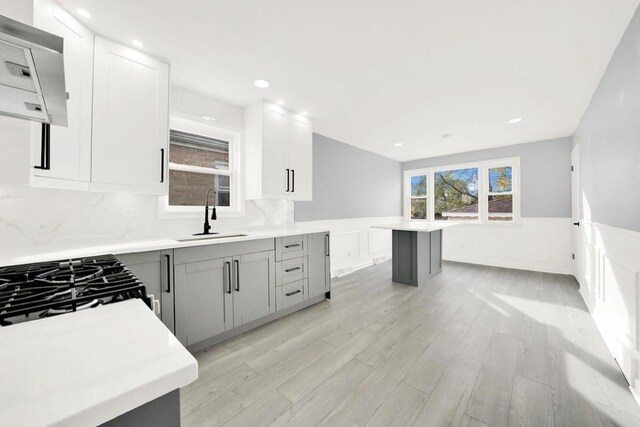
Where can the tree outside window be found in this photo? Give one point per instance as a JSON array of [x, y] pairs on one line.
[[419, 197], [456, 194]]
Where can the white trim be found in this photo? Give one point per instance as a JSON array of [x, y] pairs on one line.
[[483, 167], [199, 169], [236, 151]]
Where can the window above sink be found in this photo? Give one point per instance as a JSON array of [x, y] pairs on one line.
[[202, 156]]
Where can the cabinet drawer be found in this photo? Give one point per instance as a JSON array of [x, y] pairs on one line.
[[288, 247], [291, 294], [291, 270]]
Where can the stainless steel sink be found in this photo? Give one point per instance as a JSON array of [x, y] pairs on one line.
[[210, 237]]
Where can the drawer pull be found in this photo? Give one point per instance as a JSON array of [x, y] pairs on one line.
[[293, 293], [289, 270], [293, 245]]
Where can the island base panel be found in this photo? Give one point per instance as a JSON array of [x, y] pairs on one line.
[[417, 256]]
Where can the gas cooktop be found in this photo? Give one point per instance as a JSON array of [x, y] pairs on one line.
[[34, 291]]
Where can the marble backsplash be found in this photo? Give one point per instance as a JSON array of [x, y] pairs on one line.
[[34, 221]]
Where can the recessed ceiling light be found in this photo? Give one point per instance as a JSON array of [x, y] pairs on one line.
[[83, 13], [398, 144], [281, 102], [137, 43], [514, 121], [208, 118], [261, 83], [446, 135]]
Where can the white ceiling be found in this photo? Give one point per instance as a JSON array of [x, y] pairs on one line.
[[373, 73]]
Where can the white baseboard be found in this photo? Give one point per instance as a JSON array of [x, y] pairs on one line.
[[609, 276]]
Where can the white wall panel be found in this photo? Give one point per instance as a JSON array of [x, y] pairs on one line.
[[539, 244], [609, 279], [354, 244]]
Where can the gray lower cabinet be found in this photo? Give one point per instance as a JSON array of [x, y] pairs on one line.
[[318, 248], [155, 270], [253, 287], [215, 295], [206, 291], [202, 299]]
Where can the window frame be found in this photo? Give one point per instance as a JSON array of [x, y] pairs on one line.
[[425, 197], [217, 131], [483, 189]]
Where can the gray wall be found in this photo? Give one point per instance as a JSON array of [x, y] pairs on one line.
[[351, 183], [545, 169], [609, 140]]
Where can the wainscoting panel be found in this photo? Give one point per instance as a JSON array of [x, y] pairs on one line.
[[540, 244], [345, 246], [609, 277], [354, 244]]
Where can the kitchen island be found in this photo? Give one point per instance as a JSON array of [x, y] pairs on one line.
[[417, 250], [115, 364]]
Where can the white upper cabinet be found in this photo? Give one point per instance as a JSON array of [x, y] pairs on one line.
[[301, 157], [130, 119], [70, 154], [279, 154], [118, 114]]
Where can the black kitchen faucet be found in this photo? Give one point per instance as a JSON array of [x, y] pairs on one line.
[[214, 216]]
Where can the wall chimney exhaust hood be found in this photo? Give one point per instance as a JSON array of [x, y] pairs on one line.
[[31, 74]]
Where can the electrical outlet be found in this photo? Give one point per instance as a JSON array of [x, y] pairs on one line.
[[130, 212]]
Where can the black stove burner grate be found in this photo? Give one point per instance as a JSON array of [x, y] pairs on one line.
[[51, 288]]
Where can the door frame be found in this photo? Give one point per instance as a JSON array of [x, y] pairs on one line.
[[576, 231]]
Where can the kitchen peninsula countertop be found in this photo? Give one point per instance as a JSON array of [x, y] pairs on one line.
[[88, 367], [420, 226], [157, 244]]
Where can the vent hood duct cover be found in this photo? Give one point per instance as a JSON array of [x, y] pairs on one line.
[[31, 74]]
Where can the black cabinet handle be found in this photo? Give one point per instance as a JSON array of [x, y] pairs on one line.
[[162, 165], [237, 263], [45, 148], [576, 223], [293, 293], [293, 180], [228, 268], [292, 245], [289, 270], [327, 245], [287, 180], [168, 259]]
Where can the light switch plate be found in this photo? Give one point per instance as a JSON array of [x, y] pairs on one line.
[[131, 212]]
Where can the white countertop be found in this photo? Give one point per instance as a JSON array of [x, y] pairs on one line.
[[88, 367], [416, 226], [158, 244]]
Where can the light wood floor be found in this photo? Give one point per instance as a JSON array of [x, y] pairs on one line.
[[477, 346]]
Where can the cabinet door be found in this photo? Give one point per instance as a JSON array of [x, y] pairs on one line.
[[130, 119], [201, 298], [71, 145], [155, 271], [319, 266], [301, 143], [275, 151], [254, 287]]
